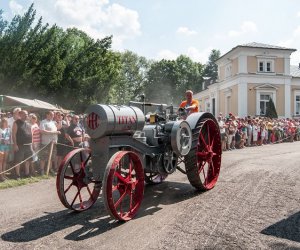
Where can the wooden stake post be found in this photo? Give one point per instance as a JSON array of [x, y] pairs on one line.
[[50, 158]]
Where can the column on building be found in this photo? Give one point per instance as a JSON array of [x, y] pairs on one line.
[[287, 99], [242, 99]]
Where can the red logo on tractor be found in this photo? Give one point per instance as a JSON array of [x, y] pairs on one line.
[[93, 121]]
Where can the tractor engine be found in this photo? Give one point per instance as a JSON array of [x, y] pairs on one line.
[[173, 138], [159, 142]]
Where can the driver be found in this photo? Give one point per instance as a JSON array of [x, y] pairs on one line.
[[190, 105]]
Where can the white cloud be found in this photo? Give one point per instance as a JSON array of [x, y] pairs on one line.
[[246, 27], [296, 32], [287, 43], [298, 14], [199, 56], [293, 42], [295, 58], [166, 54], [186, 31], [98, 18], [192, 52], [16, 8]]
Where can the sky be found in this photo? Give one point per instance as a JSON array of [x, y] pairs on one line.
[[160, 29]]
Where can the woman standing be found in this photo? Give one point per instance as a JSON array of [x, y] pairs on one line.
[[36, 141], [5, 135]]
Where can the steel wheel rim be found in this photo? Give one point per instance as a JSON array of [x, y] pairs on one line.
[[74, 190], [209, 153], [123, 188]]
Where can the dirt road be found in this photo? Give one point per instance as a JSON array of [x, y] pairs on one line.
[[255, 205]]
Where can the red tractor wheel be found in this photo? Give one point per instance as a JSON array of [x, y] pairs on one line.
[[203, 162], [123, 185], [76, 188]]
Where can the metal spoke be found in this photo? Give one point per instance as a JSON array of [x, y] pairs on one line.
[[72, 167], [68, 188], [120, 177], [88, 189], [120, 199], [80, 199], [208, 134], [86, 161], [75, 198], [202, 138]]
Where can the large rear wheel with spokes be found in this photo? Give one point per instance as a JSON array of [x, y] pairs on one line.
[[123, 185], [76, 187], [203, 162]]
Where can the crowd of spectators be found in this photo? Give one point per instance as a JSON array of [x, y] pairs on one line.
[[239, 132], [26, 141]]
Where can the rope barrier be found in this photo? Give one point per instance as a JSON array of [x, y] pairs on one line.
[[25, 159], [35, 153], [293, 135]]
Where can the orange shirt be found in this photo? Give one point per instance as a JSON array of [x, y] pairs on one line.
[[194, 102]]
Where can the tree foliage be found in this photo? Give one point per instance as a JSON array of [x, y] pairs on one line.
[[169, 79], [65, 67], [211, 68], [271, 110], [132, 78], [71, 69]]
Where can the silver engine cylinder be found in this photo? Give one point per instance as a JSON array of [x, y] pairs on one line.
[[105, 120]]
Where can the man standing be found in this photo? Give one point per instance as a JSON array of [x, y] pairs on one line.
[[22, 139], [12, 119], [75, 133], [190, 105], [222, 131], [15, 116], [49, 134]]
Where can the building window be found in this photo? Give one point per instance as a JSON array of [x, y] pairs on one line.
[[263, 102], [263, 97], [228, 70], [265, 66], [207, 105], [297, 103], [261, 66], [269, 67]]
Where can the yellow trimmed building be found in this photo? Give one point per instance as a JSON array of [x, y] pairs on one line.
[[248, 76]]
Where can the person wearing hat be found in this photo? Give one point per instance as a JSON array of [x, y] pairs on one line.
[[190, 105]]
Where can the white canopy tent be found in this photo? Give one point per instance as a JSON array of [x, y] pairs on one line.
[[10, 102]]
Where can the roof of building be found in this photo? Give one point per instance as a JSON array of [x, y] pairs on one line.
[[264, 46], [295, 70], [258, 45]]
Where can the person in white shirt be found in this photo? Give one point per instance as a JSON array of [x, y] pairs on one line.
[[222, 131], [49, 134]]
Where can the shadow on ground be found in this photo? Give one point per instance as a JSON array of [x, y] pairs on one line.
[[96, 220], [287, 229]]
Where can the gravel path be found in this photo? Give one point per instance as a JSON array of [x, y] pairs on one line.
[[255, 205]]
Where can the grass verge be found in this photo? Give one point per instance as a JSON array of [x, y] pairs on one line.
[[24, 181]]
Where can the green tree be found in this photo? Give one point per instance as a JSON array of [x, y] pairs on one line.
[[64, 67], [211, 68], [3, 24], [162, 82], [189, 76], [133, 75], [169, 79], [271, 110]]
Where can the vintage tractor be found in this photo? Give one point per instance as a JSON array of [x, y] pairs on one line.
[[129, 149]]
